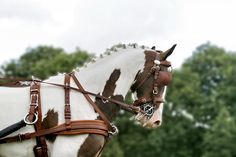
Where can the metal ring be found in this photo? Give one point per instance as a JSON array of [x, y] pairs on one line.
[[116, 130], [149, 109], [26, 120], [155, 92]]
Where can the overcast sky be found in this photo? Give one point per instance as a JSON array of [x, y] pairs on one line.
[[97, 25]]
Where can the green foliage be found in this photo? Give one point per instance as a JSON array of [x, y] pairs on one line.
[[113, 149], [220, 138], [44, 61]]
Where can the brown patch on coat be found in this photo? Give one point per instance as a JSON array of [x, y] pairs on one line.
[[111, 83], [50, 121], [110, 109], [92, 146]]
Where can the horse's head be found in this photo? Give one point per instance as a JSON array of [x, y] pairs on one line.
[[149, 87]]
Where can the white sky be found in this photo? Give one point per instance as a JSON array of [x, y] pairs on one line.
[[97, 25]]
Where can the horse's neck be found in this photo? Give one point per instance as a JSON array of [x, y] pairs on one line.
[[95, 76], [109, 76], [112, 77]]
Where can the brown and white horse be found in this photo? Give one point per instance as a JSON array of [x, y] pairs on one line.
[[112, 76]]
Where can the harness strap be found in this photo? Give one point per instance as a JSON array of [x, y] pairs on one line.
[[67, 100], [124, 106], [77, 127], [101, 114], [40, 149], [34, 101]]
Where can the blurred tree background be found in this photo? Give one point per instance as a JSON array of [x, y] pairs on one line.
[[199, 118], [45, 61]]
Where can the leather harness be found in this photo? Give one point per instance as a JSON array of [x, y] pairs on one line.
[[70, 127]]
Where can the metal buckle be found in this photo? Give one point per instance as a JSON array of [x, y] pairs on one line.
[[31, 98], [34, 90], [155, 92], [116, 130]]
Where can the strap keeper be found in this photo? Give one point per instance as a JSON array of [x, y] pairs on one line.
[[68, 124], [67, 86], [34, 89], [19, 138]]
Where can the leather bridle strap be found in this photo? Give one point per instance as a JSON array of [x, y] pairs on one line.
[[155, 69], [101, 114], [144, 80], [67, 100]]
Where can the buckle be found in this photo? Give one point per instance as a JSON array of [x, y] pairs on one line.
[[19, 137], [115, 130], [34, 96], [34, 90]]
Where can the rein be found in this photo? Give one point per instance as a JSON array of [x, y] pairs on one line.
[[124, 106]]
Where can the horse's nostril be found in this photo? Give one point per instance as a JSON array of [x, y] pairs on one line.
[[158, 122]]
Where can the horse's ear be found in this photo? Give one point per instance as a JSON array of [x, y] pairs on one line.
[[165, 54], [153, 48]]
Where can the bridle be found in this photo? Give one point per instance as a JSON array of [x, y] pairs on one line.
[[148, 104], [74, 127]]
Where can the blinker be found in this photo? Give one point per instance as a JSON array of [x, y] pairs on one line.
[[164, 78]]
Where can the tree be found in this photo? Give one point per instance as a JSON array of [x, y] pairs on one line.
[[44, 61], [219, 140], [200, 88]]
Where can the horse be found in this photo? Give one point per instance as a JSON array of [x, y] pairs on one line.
[[143, 71]]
